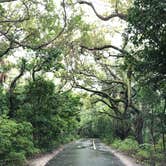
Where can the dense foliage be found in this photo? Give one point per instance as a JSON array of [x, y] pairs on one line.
[[148, 29], [42, 115], [16, 141], [51, 114]]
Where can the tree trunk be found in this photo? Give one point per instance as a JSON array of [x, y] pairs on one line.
[[152, 131], [122, 129], [138, 128], [163, 130], [12, 96]]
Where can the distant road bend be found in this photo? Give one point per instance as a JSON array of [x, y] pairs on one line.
[[85, 152]]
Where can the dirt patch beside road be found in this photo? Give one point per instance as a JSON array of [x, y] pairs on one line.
[[128, 161], [43, 159]]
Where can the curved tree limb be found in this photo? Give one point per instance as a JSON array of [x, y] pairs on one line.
[[105, 95], [100, 93], [12, 87], [104, 18], [2, 1], [111, 106], [109, 82], [113, 116], [114, 82], [7, 50], [104, 47]]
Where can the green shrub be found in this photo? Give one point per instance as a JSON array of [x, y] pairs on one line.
[[129, 145], [146, 146], [52, 115], [159, 145], [159, 156], [15, 141], [15, 158], [144, 152], [3, 101], [143, 155], [116, 144], [108, 138]]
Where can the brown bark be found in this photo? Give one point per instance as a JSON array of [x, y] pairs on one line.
[[2, 1], [163, 121], [2, 78], [104, 47], [11, 113], [104, 18], [139, 122]]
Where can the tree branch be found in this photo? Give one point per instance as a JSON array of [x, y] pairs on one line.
[[12, 87], [112, 106], [2, 1], [104, 18], [62, 30], [114, 82], [113, 116], [105, 95], [100, 93], [7, 50], [104, 47]]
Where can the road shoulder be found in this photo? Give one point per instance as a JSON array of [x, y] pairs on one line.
[[126, 160], [43, 159]]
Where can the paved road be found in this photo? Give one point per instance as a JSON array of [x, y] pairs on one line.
[[85, 153]]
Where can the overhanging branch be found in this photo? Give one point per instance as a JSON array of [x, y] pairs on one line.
[[104, 47], [62, 30], [2, 1], [104, 18], [107, 113], [12, 87], [100, 93], [21, 43], [112, 106], [105, 95]]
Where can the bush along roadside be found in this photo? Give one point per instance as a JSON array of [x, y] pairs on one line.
[[16, 142], [42, 121], [144, 153]]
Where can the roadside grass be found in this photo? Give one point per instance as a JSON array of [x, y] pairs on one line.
[[143, 153]]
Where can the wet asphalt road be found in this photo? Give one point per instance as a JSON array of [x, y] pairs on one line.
[[82, 153]]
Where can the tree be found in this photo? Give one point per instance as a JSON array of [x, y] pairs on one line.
[[12, 97], [101, 77], [51, 114], [148, 34]]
